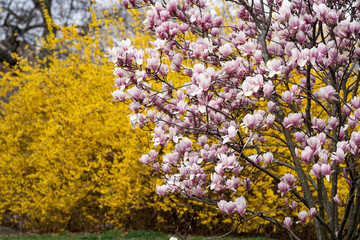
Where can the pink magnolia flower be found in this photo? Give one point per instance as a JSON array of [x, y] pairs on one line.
[[343, 145], [159, 137], [289, 179], [316, 170], [355, 102], [162, 190], [153, 155], [153, 63], [135, 107], [318, 124], [216, 182], [342, 132], [337, 200], [232, 184], [293, 119], [346, 110], [271, 106], [249, 121], [171, 158], [248, 48], [139, 56], [357, 114], [119, 95], [172, 5], [294, 23], [184, 146], [301, 37], [283, 188], [183, 27], [231, 134], [274, 67], [225, 50], [287, 222], [176, 61], [321, 11], [293, 206], [327, 93], [163, 70], [287, 97], [352, 121], [269, 120], [240, 205], [227, 207], [312, 213], [301, 137], [151, 115], [198, 191], [333, 123], [247, 183], [136, 93], [252, 85], [355, 136], [145, 159], [159, 44], [165, 168], [300, 58], [181, 106], [314, 143], [202, 140], [338, 156], [215, 32], [268, 89], [205, 82], [164, 14], [307, 155], [268, 158], [258, 56], [303, 216], [286, 202]]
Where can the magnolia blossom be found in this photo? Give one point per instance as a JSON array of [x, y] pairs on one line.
[[293, 119], [316, 170], [287, 222], [337, 200], [312, 213], [275, 66], [293, 206], [268, 158], [239, 206], [303, 216], [225, 50], [327, 93], [252, 85]]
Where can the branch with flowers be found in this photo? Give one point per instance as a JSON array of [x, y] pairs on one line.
[[268, 89]]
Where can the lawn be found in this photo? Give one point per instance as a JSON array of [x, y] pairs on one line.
[[114, 235]]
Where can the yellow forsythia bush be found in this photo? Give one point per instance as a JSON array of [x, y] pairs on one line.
[[66, 147]]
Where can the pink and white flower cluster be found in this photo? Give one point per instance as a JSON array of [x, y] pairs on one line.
[[274, 92]]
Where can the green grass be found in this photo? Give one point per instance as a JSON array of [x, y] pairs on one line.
[[230, 238], [111, 235]]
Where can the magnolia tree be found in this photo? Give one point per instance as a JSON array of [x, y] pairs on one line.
[[267, 86]]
